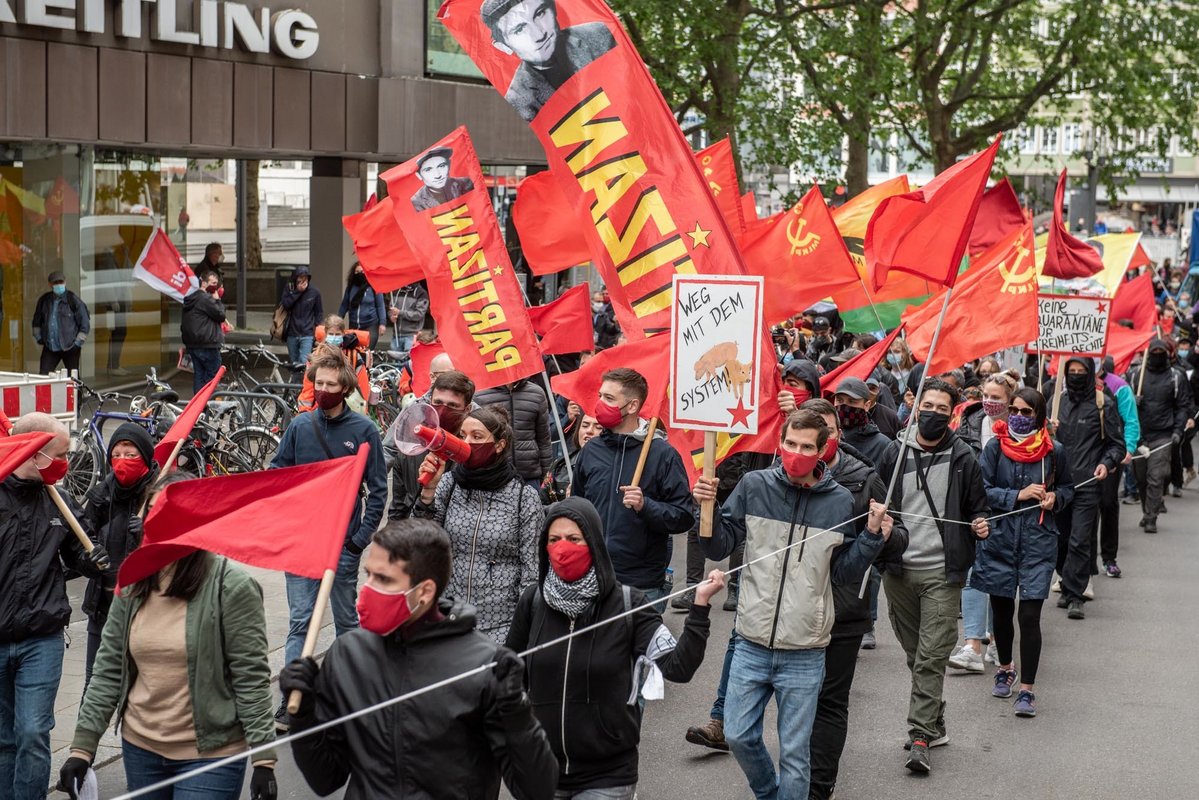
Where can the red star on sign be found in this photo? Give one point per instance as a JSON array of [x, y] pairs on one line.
[[740, 413], [1101, 306]]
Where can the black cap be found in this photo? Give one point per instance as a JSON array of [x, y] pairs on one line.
[[820, 323], [443, 152], [57, 277]]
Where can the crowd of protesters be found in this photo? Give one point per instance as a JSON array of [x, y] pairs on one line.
[[983, 490]]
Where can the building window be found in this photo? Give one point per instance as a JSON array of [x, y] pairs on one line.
[[443, 56], [1047, 139], [1026, 141], [1071, 138]]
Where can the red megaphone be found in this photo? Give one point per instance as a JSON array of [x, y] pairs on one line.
[[442, 444]]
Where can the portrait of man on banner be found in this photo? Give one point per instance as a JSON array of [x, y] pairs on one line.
[[433, 169], [549, 54]]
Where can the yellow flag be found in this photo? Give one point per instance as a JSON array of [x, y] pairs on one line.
[[28, 200], [1116, 250]]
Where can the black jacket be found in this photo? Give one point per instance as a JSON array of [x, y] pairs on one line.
[[203, 314], [1164, 402], [529, 411], [580, 689], [637, 540], [855, 473], [607, 329], [868, 440], [35, 542], [886, 419], [1079, 428], [450, 743], [966, 501], [305, 310]]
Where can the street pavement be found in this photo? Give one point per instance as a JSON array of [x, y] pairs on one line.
[[1118, 714]]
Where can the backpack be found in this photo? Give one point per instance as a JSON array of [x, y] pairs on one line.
[[279, 323]]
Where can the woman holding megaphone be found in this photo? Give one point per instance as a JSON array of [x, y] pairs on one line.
[[493, 518]]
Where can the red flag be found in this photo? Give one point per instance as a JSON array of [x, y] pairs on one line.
[[564, 325], [1139, 259], [161, 266], [749, 207], [690, 443], [719, 168], [1067, 256], [999, 214], [925, 232], [550, 236], [649, 356], [386, 258], [1123, 344], [1004, 277], [5, 424], [422, 356], [371, 202], [16, 450], [1135, 302], [266, 519], [801, 255], [184, 423], [440, 201], [63, 199], [612, 143], [861, 365]]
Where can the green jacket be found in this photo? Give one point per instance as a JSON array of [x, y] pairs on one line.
[[227, 668]]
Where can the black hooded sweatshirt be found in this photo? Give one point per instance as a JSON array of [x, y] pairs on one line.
[[1088, 442], [1163, 402], [580, 688]]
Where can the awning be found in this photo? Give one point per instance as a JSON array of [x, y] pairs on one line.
[[1154, 193]]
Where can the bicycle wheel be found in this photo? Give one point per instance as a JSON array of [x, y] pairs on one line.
[[83, 467], [384, 414], [257, 444], [227, 459]]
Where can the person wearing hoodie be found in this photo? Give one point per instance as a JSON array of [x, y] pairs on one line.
[[1109, 503], [799, 541], [1092, 432], [455, 742], [113, 509], [801, 382], [362, 307], [1163, 407], [493, 519], [585, 692], [852, 401], [327, 432], [939, 488], [200, 329], [638, 520]]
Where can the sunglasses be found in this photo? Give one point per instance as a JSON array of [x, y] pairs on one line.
[[1021, 412]]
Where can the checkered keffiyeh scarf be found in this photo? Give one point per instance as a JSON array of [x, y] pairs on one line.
[[570, 598]]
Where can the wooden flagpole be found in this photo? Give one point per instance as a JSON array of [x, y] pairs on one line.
[[707, 508], [649, 438], [69, 517]]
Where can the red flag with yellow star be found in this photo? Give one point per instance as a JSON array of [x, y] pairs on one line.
[[801, 255], [720, 171], [1003, 279], [569, 69], [442, 207]]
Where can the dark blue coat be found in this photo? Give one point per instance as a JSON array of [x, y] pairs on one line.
[[1022, 548]]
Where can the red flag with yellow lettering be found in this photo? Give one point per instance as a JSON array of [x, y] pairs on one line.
[[442, 206], [720, 171], [611, 141]]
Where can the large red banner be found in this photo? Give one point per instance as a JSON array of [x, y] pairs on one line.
[[443, 208], [569, 69]]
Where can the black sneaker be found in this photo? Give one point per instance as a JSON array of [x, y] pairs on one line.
[[730, 602], [282, 723], [918, 760], [1063, 602], [1150, 526], [683, 602], [1075, 611]]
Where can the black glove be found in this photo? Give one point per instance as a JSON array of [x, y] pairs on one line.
[[99, 557], [300, 675], [509, 673], [353, 548], [262, 784], [136, 527], [1175, 438], [72, 775]]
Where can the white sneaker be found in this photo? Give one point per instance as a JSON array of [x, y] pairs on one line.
[[1089, 592], [1057, 586], [992, 656], [966, 659]]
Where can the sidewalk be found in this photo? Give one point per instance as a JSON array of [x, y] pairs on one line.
[[70, 689]]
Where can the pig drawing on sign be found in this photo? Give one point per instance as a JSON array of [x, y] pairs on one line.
[[724, 355]]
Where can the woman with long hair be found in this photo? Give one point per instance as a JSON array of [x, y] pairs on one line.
[[1023, 468], [183, 664], [579, 431], [493, 518], [362, 307]]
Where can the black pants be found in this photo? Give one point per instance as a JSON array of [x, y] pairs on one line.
[[1109, 516], [696, 561], [1076, 525], [95, 627], [1003, 609], [832, 714], [51, 358]]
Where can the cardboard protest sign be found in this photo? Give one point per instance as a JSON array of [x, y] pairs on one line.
[[716, 333], [1072, 325]]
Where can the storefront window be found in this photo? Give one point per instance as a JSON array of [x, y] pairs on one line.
[[443, 56]]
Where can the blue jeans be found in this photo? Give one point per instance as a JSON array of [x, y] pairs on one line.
[[301, 599], [722, 688], [652, 595], [299, 348], [402, 342], [29, 675], [976, 612], [794, 677], [143, 768], [205, 362]]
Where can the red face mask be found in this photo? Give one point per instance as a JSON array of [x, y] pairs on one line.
[[54, 472], [569, 561], [798, 465], [449, 419], [382, 612], [327, 401], [482, 454], [830, 450], [129, 471], [607, 416]]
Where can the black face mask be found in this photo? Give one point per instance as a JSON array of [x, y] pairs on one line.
[[359, 278], [1077, 384], [1158, 362], [932, 425]]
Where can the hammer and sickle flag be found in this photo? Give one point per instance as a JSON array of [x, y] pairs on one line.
[[801, 255], [994, 305]]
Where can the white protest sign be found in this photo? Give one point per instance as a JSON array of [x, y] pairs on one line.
[[716, 333], [1072, 325]]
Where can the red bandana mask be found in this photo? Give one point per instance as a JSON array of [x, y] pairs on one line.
[[129, 471], [569, 560]]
